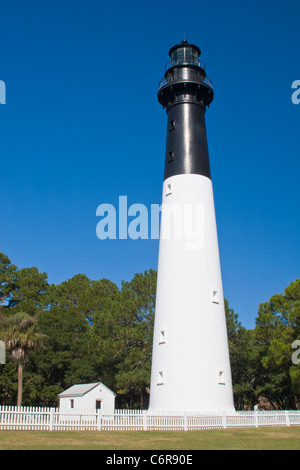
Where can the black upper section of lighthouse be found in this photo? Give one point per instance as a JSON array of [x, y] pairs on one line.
[[185, 91]]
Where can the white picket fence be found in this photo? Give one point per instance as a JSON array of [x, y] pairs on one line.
[[50, 419]]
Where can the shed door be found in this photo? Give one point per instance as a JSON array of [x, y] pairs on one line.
[[98, 404]]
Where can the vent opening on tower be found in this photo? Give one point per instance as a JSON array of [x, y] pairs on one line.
[[215, 296], [169, 189], [221, 377], [162, 337], [160, 377]]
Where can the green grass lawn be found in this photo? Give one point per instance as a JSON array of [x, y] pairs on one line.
[[231, 439]]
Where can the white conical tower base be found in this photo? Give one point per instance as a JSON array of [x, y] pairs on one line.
[[190, 363]]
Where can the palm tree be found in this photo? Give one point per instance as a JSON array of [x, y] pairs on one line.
[[21, 336]]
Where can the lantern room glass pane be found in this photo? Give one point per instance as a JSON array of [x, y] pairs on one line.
[[185, 55]]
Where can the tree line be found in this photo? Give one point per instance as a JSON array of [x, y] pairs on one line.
[[83, 331]]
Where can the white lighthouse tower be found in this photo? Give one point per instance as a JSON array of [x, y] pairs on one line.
[[190, 361]]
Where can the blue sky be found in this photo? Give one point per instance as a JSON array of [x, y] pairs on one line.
[[82, 126]]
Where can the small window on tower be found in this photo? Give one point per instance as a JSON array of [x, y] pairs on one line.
[[172, 125], [71, 403], [171, 156]]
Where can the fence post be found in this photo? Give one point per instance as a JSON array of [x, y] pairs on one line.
[[145, 421], [287, 418], [185, 421], [256, 418], [224, 422], [51, 419], [99, 420]]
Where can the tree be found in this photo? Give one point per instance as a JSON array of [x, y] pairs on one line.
[[20, 334], [133, 377], [240, 350], [7, 281], [91, 330], [29, 291], [72, 322], [124, 332], [277, 327]]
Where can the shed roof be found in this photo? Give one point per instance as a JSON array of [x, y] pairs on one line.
[[79, 390]]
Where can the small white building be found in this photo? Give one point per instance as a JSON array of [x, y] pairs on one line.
[[87, 398]]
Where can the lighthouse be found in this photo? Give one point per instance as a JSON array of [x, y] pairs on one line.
[[190, 360]]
